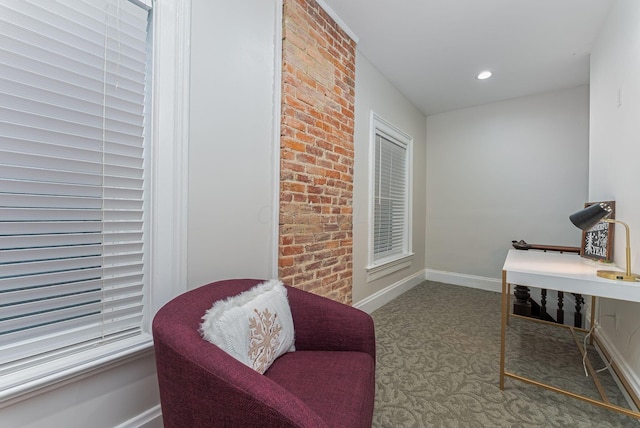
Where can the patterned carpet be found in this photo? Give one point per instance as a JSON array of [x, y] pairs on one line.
[[438, 366]]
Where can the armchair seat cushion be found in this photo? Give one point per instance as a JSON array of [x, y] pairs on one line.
[[335, 384]]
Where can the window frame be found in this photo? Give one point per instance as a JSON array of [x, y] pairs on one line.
[[166, 247], [379, 268]]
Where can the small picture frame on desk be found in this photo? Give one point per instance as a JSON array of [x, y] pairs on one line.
[[597, 242]]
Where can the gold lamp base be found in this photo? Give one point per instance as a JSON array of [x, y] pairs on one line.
[[620, 276]]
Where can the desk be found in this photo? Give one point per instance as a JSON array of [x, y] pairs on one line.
[[561, 272]]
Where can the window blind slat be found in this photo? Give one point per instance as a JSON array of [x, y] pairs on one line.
[[41, 214], [36, 230], [44, 188], [51, 291], [46, 201], [45, 162], [122, 284], [63, 264], [14, 245], [43, 280], [36, 148], [39, 254]]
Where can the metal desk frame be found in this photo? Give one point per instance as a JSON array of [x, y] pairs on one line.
[[568, 273]]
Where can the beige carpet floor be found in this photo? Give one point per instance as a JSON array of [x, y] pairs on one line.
[[437, 366]]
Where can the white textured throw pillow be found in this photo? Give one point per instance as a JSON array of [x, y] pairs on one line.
[[255, 327]]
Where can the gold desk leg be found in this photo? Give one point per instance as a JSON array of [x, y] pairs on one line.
[[592, 372], [593, 318], [602, 404], [503, 328], [509, 303]]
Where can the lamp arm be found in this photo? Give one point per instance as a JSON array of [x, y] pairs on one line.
[[628, 248]]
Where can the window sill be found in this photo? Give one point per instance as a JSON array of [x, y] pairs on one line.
[[388, 266], [31, 381]]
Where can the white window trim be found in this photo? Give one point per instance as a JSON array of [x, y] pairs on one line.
[[170, 136], [168, 217], [379, 268], [275, 140]]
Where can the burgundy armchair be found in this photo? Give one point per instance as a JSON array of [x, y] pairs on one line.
[[329, 381]]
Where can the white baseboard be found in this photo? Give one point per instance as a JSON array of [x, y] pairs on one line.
[[387, 294], [151, 418], [626, 371], [472, 281]]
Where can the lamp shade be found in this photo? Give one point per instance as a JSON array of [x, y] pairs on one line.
[[587, 218]]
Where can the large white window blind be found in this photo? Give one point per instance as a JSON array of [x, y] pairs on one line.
[[390, 197], [72, 176]]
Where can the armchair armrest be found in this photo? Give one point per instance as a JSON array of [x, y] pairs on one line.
[[323, 324]]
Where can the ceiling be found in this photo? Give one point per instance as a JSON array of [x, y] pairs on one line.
[[432, 50]]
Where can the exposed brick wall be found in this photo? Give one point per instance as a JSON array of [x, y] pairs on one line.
[[316, 152]]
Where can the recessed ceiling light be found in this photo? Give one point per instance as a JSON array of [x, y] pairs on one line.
[[484, 75]]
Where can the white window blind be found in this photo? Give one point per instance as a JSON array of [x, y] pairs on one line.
[[72, 176], [390, 198]]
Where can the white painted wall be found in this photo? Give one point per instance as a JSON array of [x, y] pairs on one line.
[[375, 93], [105, 399], [504, 171], [613, 168], [232, 169]]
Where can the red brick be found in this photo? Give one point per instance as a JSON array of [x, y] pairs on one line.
[[296, 146], [285, 261], [290, 250], [292, 187], [292, 167]]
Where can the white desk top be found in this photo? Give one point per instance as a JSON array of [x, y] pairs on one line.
[[565, 272]]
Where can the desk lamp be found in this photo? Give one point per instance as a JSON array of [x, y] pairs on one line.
[[587, 218]]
